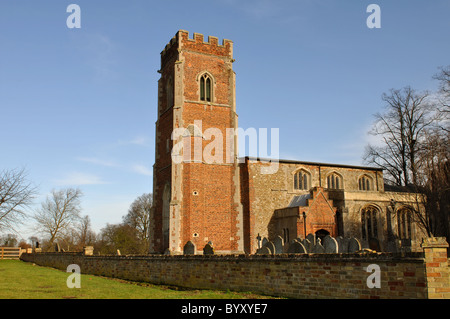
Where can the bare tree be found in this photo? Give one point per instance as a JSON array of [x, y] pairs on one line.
[[138, 217], [401, 129], [16, 194], [59, 213], [415, 151], [444, 97], [85, 234]]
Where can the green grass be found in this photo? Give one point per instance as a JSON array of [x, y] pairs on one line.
[[21, 280]]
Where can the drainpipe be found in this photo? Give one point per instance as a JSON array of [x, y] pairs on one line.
[[304, 224]]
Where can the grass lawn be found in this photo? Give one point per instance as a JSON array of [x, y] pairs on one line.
[[21, 280]]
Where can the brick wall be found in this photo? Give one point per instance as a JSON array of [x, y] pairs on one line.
[[413, 275]]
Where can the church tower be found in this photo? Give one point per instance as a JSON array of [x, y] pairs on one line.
[[196, 188]]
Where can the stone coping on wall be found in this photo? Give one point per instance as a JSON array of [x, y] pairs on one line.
[[413, 257]]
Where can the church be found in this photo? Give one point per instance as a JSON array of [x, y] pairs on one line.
[[233, 202]]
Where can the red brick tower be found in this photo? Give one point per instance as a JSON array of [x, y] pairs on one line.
[[196, 195]]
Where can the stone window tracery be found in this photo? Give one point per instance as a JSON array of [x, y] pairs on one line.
[[205, 88], [301, 180]]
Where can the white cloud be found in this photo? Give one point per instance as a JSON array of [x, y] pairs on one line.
[[97, 161], [142, 169], [138, 140], [78, 178]]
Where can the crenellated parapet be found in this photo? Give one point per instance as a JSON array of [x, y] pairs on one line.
[[182, 41]]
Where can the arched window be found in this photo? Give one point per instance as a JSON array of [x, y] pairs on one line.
[[205, 88], [334, 181], [369, 223], [365, 183], [301, 180], [404, 219]]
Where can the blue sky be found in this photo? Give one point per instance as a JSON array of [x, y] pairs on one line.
[[78, 106]]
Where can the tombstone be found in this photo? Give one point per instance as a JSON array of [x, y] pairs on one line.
[[318, 248], [278, 243], [189, 248], [342, 244], [307, 244], [263, 251], [118, 252], [264, 242], [88, 250], [392, 246], [311, 238], [353, 245], [271, 247], [167, 251], [296, 247], [208, 249], [37, 244], [330, 245]]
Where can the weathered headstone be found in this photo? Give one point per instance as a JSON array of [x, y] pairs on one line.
[[263, 251], [318, 248], [264, 242], [307, 244], [189, 248], [342, 244], [271, 247], [208, 249], [354, 245], [330, 245], [295, 247], [311, 238], [118, 252], [279, 243], [88, 250], [392, 246]]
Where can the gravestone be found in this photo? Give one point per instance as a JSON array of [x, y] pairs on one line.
[[208, 249], [189, 248], [278, 243], [307, 244], [88, 250], [271, 247], [264, 242], [118, 252], [330, 245], [296, 247], [167, 251], [392, 246], [354, 245], [263, 251], [318, 248], [342, 244], [311, 238]]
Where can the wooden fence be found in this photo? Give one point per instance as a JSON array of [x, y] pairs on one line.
[[10, 252]]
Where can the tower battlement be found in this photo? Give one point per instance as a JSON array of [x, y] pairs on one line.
[[181, 40]]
